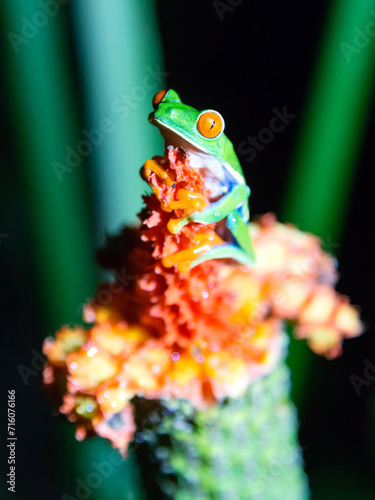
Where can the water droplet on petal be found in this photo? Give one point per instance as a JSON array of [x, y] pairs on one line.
[[92, 351], [201, 358], [175, 356], [245, 269]]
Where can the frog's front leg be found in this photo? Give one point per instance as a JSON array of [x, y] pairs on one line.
[[216, 211]]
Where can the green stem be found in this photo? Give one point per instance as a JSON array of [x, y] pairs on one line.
[[245, 448]]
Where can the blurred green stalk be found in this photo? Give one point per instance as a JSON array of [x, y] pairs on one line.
[[121, 68], [45, 121], [323, 170], [121, 65]]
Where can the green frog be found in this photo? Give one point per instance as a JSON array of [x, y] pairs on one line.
[[201, 135]]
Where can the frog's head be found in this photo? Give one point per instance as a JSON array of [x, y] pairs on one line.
[[183, 126]]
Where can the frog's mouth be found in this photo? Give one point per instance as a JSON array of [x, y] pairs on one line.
[[211, 169]]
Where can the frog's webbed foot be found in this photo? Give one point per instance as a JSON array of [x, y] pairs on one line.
[[225, 251]]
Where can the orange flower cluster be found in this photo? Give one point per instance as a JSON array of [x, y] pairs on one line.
[[203, 333]]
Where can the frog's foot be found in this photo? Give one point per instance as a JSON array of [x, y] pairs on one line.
[[200, 243], [226, 251]]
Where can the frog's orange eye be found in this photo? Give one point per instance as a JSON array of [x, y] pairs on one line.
[[158, 97], [210, 124]]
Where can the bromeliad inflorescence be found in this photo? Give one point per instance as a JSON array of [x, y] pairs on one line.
[[203, 320]]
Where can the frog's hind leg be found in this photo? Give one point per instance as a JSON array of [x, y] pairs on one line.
[[240, 232], [240, 250], [225, 251]]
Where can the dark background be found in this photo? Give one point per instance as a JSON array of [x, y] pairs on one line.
[[261, 56]]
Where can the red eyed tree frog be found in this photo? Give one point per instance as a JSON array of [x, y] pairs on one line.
[[200, 134]]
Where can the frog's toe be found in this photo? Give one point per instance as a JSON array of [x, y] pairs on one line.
[[175, 225]]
